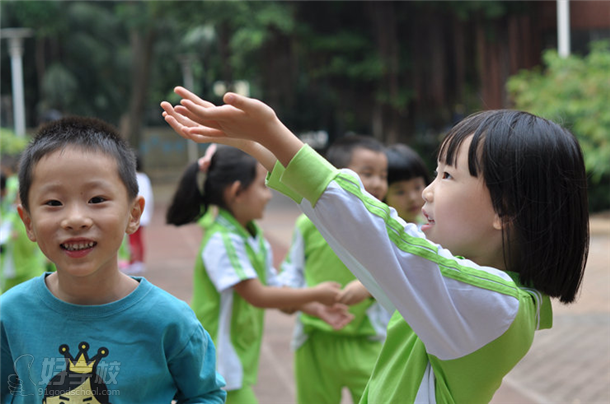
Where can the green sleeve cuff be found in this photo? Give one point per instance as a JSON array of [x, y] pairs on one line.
[[273, 181], [308, 174], [546, 313]]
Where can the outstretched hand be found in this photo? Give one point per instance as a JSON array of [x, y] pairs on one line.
[[239, 120], [189, 126]]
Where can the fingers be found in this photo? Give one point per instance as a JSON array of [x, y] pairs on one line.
[[221, 113], [249, 105], [186, 94]]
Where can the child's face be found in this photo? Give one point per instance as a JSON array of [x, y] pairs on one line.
[[249, 203], [460, 214], [372, 168], [79, 211], [406, 197]]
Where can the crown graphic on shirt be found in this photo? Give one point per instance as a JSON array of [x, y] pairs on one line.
[[82, 364]]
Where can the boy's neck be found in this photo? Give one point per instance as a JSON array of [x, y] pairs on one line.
[[87, 291]]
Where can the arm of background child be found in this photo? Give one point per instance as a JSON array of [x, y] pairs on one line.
[[337, 315], [353, 293], [194, 371], [259, 295]]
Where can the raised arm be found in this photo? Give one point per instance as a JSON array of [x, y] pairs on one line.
[[241, 118]]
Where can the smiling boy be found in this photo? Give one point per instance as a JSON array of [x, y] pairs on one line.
[[79, 198]]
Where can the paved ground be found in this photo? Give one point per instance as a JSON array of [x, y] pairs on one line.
[[569, 364]]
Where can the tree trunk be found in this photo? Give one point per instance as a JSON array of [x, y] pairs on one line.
[[142, 51]]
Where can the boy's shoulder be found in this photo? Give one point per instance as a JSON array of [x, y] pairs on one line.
[[25, 290], [160, 300]]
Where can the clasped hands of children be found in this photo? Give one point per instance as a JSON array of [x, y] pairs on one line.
[[252, 126]]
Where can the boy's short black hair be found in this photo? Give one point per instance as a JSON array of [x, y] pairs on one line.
[[535, 173], [88, 134], [405, 164], [340, 153]]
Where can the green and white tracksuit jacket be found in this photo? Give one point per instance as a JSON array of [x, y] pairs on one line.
[[458, 329], [229, 255]]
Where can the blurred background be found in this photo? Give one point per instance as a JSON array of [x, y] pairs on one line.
[[403, 71]]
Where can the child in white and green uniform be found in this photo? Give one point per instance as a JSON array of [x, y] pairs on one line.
[[20, 258], [234, 279], [473, 286], [327, 360]]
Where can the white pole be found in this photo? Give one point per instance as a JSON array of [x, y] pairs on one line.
[[16, 52], [563, 27], [15, 38]]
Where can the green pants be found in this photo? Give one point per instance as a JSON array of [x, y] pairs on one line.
[[328, 362]]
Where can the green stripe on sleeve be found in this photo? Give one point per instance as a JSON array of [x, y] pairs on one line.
[[233, 258], [449, 267]]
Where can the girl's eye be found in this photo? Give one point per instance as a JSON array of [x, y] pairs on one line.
[[97, 199], [52, 203], [446, 175]]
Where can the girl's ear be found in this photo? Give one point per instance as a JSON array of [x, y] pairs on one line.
[[27, 221], [232, 191], [136, 213], [498, 223]]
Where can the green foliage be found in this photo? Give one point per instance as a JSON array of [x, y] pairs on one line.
[[575, 92], [11, 144]]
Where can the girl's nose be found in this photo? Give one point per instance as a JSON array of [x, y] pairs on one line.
[[428, 193]]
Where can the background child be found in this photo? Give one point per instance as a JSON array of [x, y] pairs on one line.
[[507, 228], [136, 240], [407, 178], [79, 197], [327, 360], [20, 259], [235, 264]]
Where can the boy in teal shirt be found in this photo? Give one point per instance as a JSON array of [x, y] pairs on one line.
[[89, 333]]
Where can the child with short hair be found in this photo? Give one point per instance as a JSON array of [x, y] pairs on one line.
[[407, 179], [327, 360], [89, 332], [507, 228], [234, 278]]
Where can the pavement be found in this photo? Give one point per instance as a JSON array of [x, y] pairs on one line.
[[569, 364]]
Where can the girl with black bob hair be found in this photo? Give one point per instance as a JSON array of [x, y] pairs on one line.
[[506, 228], [534, 171]]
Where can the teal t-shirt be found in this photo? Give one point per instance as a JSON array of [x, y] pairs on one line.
[[147, 347]]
